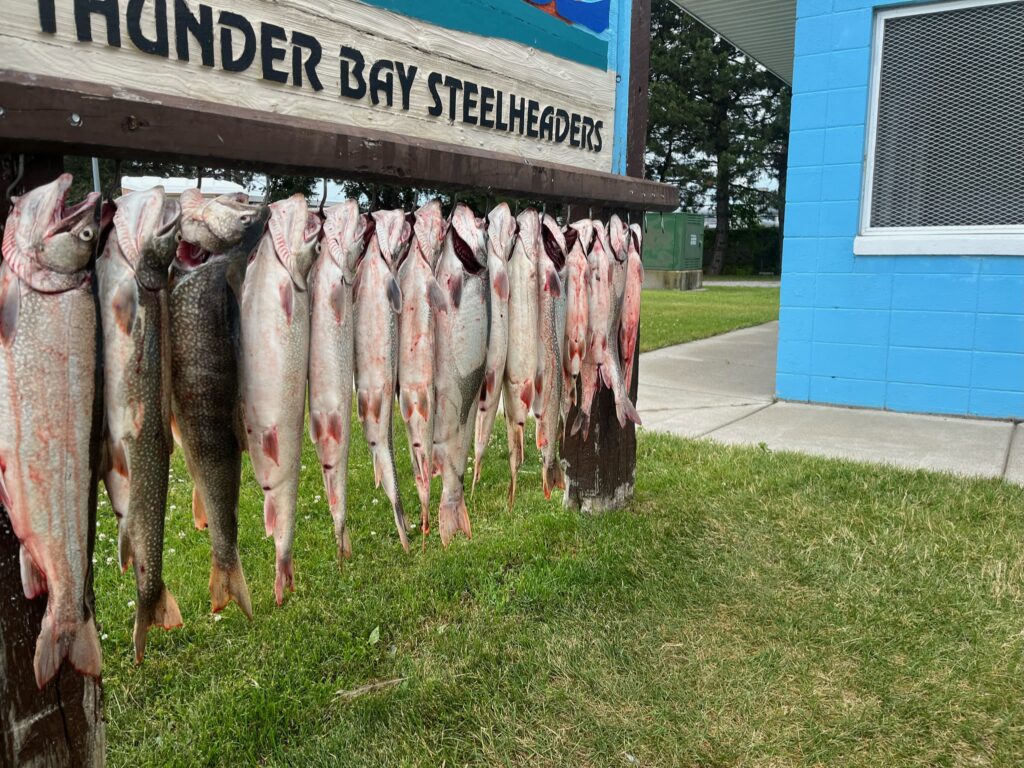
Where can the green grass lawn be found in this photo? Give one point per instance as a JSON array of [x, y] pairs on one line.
[[748, 608], [675, 317]]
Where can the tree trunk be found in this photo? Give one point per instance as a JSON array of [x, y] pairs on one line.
[[60, 726], [722, 213]]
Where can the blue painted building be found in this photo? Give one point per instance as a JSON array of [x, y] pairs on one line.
[[903, 263]]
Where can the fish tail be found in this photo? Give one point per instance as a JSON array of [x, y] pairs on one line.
[[552, 477], [227, 584], [124, 546], [269, 514], [453, 517], [80, 645], [344, 544], [284, 577], [164, 613], [384, 464], [199, 509], [631, 412], [336, 500]]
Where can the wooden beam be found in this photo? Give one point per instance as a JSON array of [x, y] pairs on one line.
[[59, 115], [639, 92]]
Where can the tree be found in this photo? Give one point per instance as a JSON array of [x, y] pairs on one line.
[[718, 124]]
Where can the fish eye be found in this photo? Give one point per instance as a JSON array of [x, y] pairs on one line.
[[246, 218], [177, 236], [87, 234], [318, 247]]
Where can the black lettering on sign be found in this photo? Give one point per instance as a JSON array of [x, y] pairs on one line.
[[268, 34], [597, 133], [433, 80], [574, 130], [486, 106], [500, 124], [516, 113], [561, 125], [588, 129], [453, 84], [158, 47], [47, 17], [348, 90], [469, 91], [228, 60], [547, 123], [379, 84], [84, 9], [201, 29], [531, 119], [300, 41], [405, 80]]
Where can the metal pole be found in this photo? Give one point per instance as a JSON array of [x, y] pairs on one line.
[[96, 175]]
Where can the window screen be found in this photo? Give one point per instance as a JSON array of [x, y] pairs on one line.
[[949, 141]]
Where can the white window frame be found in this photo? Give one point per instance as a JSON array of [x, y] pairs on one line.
[[921, 241]]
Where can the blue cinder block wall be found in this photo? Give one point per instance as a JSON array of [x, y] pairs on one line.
[[927, 334]]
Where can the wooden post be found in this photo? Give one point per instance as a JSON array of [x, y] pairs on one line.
[[62, 724], [601, 470]]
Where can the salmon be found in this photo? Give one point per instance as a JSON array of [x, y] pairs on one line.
[[275, 365], [501, 231], [421, 300], [549, 381], [205, 351], [460, 357], [132, 279], [377, 302], [600, 309], [523, 325], [332, 355], [48, 375], [611, 371], [577, 322], [629, 328]]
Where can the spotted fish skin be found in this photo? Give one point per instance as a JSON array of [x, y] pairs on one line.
[[550, 368], [523, 325], [48, 390], [205, 346], [275, 365], [332, 355], [377, 301], [132, 279], [501, 232], [421, 300], [460, 357]]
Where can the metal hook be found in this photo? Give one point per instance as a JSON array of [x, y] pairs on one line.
[[323, 200], [17, 178], [199, 178], [662, 221], [115, 181]]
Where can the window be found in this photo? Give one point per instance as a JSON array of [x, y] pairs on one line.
[[945, 149]]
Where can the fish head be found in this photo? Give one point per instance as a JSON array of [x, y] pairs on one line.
[[617, 237], [466, 233], [584, 229], [295, 233], [636, 238], [219, 224], [501, 231], [528, 223], [45, 233], [147, 228], [430, 230], [600, 248], [393, 234], [345, 235], [554, 241]]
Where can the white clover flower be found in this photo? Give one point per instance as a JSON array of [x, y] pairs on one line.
[[110, 561], [104, 636], [171, 551], [181, 534], [103, 537], [376, 501], [316, 498], [217, 617], [173, 507], [131, 603]]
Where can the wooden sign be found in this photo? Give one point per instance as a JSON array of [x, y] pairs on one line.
[[502, 76]]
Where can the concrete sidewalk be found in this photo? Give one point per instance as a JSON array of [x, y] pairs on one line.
[[723, 388]]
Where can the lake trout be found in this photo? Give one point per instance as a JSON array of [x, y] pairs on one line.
[[275, 365], [132, 280], [578, 237], [332, 354], [459, 362], [550, 370], [600, 311], [421, 300], [501, 231], [48, 367], [205, 293], [377, 303], [629, 327], [611, 371]]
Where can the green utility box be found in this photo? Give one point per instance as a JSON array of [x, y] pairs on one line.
[[674, 241]]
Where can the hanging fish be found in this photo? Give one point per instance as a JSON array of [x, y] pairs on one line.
[[578, 238], [48, 373], [599, 304], [460, 357], [378, 302], [523, 342], [501, 231], [422, 298], [332, 354], [611, 371], [275, 364], [629, 329], [547, 405], [205, 350], [132, 279]]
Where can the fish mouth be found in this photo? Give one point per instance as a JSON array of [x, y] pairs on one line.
[[68, 217], [571, 238], [170, 218], [553, 248], [464, 252], [190, 255]]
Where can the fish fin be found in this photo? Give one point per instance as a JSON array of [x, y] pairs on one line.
[[552, 478], [455, 289], [338, 303], [375, 404], [286, 292], [284, 578], [10, 307], [125, 304], [437, 461], [552, 284], [631, 412], [538, 400], [526, 394], [5, 497], [477, 462], [316, 427], [269, 444], [452, 517], [118, 459], [394, 295], [406, 404], [542, 436], [578, 423], [125, 553], [436, 297], [501, 285], [198, 509], [362, 399], [85, 654], [423, 403], [335, 425], [165, 614], [269, 514], [81, 646], [33, 580], [175, 431], [227, 584], [606, 376], [490, 385], [344, 546]]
